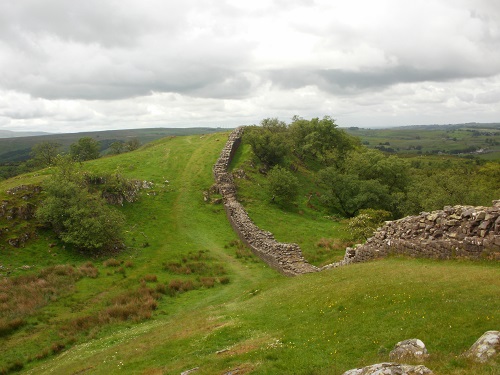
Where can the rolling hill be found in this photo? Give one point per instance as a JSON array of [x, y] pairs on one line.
[[186, 295]]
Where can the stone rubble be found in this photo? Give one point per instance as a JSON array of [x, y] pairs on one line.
[[388, 368], [455, 232]]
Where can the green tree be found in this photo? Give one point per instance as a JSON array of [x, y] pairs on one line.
[[283, 186], [320, 140], [44, 153], [85, 148], [78, 217], [269, 142], [117, 148], [132, 144], [347, 194]]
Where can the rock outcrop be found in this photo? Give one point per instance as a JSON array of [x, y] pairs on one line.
[[390, 369], [485, 348], [412, 349]]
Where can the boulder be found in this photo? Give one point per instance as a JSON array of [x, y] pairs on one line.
[[485, 348], [388, 368], [409, 349]]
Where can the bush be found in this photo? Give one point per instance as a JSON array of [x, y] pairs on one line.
[[78, 217], [283, 186], [362, 226], [111, 262], [150, 278]]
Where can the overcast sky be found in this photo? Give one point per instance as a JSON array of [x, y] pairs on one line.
[[68, 66]]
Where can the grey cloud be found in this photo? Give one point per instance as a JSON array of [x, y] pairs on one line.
[[340, 81], [108, 23]]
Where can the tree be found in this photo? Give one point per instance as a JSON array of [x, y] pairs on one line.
[[283, 186], [44, 153], [85, 149], [347, 194], [269, 142], [320, 140], [132, 144], [116, 148], [78, 217]]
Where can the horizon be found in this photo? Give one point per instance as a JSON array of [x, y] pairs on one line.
[[229, 127]]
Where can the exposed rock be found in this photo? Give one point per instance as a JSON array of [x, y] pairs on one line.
[[485, 348], [390, 369], [409, 349], [190, 371]]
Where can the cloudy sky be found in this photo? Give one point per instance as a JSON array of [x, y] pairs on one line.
[[68, 66]]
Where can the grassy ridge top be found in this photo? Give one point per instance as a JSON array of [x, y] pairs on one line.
[[19, 148], [260, 322]]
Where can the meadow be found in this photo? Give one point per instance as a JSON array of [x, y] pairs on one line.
[[185, 294]]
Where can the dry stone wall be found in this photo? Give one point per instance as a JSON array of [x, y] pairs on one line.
[[454, 232], [285, 257]]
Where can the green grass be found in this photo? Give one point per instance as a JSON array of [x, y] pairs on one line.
[[259, 321]]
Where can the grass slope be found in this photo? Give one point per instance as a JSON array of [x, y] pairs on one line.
[[19, 148], [260, 322]]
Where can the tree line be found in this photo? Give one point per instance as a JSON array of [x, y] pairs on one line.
[[44, 154]]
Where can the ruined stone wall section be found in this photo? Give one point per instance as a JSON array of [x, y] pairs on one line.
[[454, 232], [284, 257]]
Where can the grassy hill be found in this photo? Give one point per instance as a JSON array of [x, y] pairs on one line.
[[185, 294], [19, 148]]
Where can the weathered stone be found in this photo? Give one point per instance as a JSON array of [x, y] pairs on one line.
[[286, 258], [485, 348], [390, 369], [409, 349]]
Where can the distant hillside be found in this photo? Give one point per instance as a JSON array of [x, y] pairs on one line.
[[19, 148], [14, 134], [481, 140]]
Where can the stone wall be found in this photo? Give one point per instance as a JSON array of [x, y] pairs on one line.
[[284, 257], [454, 232]]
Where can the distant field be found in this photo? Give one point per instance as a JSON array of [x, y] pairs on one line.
[[18, 149], [481, 140]]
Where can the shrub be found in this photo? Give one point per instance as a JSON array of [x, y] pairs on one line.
[[363, 225], [283, 186], [207, 282], [57, 347], [112, 262], [180, 286], [9, 326], [78, 217], [161, 288], [224, 280], [89, 270], [150, 278]]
